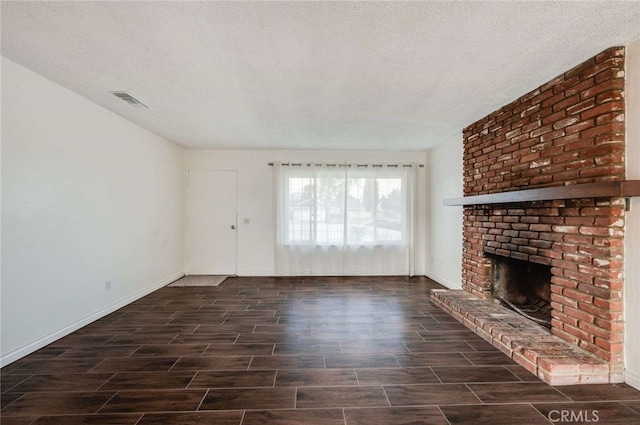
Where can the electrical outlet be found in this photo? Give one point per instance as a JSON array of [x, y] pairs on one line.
[[247, 221], [107, 285]]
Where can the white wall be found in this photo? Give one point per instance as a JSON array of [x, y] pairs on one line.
[[255, 197], [632, 237], [444, 228], [86, 196]]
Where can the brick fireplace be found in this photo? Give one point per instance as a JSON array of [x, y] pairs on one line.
[[568, 133]]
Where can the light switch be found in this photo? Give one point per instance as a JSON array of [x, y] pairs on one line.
[[247, 221]]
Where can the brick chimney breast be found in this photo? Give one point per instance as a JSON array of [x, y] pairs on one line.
[[568, 131]]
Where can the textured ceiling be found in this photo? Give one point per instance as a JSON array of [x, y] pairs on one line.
[[302, 75]]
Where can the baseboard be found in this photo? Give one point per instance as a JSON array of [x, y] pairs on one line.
[[632, 379], [364, 273], [274, 274], [442, 281], [245, 273], [23, 351]]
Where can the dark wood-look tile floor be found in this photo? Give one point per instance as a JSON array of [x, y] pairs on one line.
[[281, 351]]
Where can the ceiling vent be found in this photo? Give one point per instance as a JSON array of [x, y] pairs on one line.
[[129, 99]]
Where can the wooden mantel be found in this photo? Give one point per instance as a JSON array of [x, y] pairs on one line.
[[619, 189]]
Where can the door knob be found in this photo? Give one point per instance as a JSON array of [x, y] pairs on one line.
[[233, 227]]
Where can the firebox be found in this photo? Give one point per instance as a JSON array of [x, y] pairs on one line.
[[524, 287]]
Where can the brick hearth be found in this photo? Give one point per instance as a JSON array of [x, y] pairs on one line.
[[547, 356], [569, 131]]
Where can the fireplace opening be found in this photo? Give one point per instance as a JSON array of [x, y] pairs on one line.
[[524, 287]]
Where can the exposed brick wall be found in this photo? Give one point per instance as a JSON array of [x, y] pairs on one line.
[[582, 241], [568, 131]]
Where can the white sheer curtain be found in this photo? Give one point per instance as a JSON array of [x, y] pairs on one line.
[[345, 219]]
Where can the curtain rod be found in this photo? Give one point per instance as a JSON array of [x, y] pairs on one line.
[[300, 164]]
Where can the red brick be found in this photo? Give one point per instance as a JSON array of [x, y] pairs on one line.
[[579, 277], [562, 104], [614, 117], [615, 294], [540, 131], [554, 117], [564, 264], [578, 239], [609, 96], [577, 88], [563, 318], [608, 242], [578, 127], [579, 296], [596, 291], [579, 333], [594, 330], [612, 325], [530, 157], [581, 68], [613, 158], [595, 231], [612, 306], [616, 84], [603, 109], [540, 260], [579, 221], [552, 220], [566, 229], [603, 211], [609, 346], [551, 84], [573, 146], [565, 122], [609, 74], [565, 335], [576, 258], [603, 66], [611, 52], [583, 105], [549, 253], [599, 272], [552, 136], [615, 127]]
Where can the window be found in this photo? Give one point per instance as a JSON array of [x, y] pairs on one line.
[[340, 207], [352, 219]]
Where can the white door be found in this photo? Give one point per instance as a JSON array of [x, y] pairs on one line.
[[211, 222]]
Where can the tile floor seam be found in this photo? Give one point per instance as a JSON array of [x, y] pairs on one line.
[[91, 369], [202, 400], [192, 379], [107, 381], [474, 393], [106, 402], [541, 414], [386, 396], [443, 415], [139, 419], [13, 401], [250, 362]]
